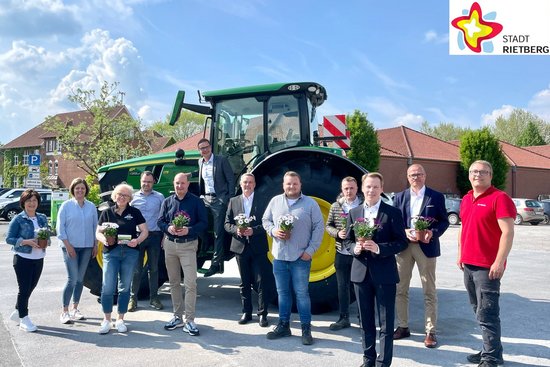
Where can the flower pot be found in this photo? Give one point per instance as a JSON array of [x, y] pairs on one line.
[[420, 235], [110, 240], [287, 234], [42, 243]]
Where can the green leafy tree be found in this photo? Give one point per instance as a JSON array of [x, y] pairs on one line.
[[110, 135], [481, 144], [530, 136], [94, 194], [365, 147], [188, 124], [445, 131], [510, 128]]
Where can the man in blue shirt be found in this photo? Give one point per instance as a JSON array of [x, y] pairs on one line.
[[148, 201], [180, 249], [292, 251]]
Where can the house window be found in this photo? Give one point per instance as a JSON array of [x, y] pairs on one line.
[[50, 168], [51, 146], [55, 168], [26, 154], [15, 159], [15, 182]]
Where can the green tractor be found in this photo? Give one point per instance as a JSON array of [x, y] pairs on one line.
[[266, 130]]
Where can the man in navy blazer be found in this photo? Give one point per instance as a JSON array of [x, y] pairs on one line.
[[250, 246], [374, 270], [216, 185], [419, 200]]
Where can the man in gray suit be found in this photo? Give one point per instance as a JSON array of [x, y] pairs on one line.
[[249, 243], [216, 184]]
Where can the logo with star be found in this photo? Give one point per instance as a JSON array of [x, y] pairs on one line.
[[475, 28]]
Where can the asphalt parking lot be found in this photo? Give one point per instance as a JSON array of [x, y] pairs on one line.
[[525, 314]]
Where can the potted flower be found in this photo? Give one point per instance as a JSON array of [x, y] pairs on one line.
[[181, 219], [343, 220], [243, 222], [421, 224], [43, 235], [286, 223], [364, 229], [110, 231]]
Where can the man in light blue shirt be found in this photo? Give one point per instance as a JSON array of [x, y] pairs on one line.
[[148, 201], [292, 251]]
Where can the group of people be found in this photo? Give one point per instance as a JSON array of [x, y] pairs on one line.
[[379, 266]]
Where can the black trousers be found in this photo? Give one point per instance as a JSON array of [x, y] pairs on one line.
[[342, 263], [28, 273], [255, 273]]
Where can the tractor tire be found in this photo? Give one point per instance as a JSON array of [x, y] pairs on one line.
[[321, 174]]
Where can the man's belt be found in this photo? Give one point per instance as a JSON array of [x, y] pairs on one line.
[[181, 239]]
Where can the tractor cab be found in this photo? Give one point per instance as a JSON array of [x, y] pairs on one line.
[[248, 124]]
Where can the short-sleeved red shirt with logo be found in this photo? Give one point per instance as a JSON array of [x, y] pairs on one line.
[[480, 231]]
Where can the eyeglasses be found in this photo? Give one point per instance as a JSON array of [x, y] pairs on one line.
[[124, 196], [476, 172], [204, 148], [416, 175]]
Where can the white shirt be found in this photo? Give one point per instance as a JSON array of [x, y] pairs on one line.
[[416, 203], [247, 204], [346, 207], [208, 175], [371, 212]]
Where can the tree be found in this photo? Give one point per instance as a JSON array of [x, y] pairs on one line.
[[188, 124], [445, 131], [365, 147], [476, 145], [530, 136], [104, 134], [509, 129]]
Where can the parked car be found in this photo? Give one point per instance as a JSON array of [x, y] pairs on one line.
[[453, 210], [546, 206], [4, 189], [529, 211], [9, 207]]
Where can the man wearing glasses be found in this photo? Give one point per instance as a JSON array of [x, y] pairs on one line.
[[216, 184], [484, 242], [419, 200]]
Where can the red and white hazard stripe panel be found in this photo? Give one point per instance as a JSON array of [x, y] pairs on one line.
[[336, 126]]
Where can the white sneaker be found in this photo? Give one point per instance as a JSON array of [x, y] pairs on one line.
[[26, 324], [76, 314], [121, 326], [65, 318], [15, 316], [105, 327]]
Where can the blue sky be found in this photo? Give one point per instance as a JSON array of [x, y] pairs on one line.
[[388, 59]]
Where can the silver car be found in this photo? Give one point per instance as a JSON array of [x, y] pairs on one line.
[[528, 211]]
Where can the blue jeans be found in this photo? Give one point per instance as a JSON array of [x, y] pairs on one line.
[[118, 267], [293, 275], [76, 268], [484, 296]]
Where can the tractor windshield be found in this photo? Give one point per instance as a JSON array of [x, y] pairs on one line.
[[242, 133]]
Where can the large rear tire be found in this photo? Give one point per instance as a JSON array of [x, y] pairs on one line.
[[321, 174]]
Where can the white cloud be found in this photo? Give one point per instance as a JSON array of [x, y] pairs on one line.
[[490, 118], [410, 120], [540, 104], [37, 18], [433, 37]]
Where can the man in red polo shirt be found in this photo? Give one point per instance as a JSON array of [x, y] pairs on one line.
[[485, 240]]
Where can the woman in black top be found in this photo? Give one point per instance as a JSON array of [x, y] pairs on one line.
[[119, 259]]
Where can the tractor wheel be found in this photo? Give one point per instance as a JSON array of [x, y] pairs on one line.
[[321, 175]]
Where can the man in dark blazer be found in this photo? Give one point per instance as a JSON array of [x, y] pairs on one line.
[[250, 247], [216, 185], [374, 270], [419, 200]]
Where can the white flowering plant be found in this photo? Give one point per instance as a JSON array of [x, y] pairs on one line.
[[110, 229], [286, 222], [242, 221], [44, 233]]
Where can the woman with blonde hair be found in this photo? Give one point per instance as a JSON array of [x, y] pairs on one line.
[[119, 258]]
